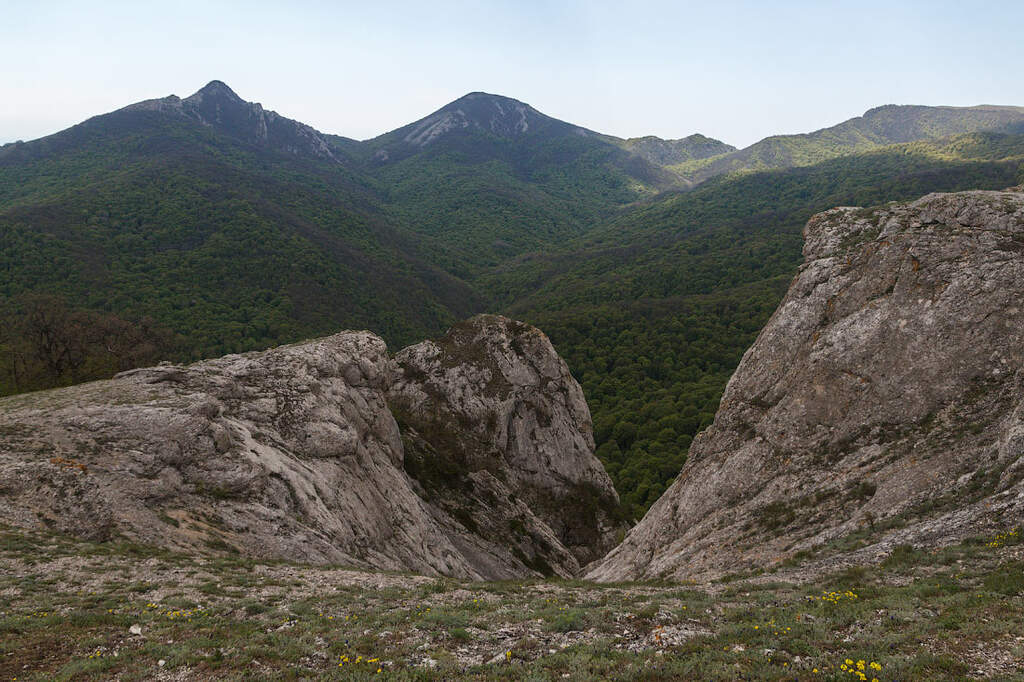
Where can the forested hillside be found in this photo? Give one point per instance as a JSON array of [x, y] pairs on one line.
[[654, 309], [230, 245], [881, 126], [487, 178], [187, 228]]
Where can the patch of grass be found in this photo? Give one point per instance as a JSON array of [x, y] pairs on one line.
[[567, 621], [904, 556], [1007, 579]]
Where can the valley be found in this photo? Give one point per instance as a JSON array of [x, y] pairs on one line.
[[227, 227]]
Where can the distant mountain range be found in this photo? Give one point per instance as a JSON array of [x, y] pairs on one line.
[[673, 152], [879, 127], [651, 263]]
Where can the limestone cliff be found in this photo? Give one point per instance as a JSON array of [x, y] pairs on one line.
[[493, 406], [294, 453], [882, 404]]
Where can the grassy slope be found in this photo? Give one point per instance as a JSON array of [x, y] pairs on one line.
[[67, 609]]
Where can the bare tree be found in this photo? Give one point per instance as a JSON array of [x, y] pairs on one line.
[[56, 336], [45, 343]]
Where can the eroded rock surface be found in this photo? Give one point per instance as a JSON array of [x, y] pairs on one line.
[[493, 412], [216, 105], [882, 404], [294, 453]]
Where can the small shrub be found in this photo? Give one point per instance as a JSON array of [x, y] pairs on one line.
[[775, 515], [568, 621], [864, 490], [904, 556], [1008, 579]]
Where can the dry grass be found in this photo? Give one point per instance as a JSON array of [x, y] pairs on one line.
[[76, 610]]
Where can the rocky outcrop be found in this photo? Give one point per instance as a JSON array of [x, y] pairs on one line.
[[493, 407], [294, 453], [495, 114], [882, 404], [216, 105]]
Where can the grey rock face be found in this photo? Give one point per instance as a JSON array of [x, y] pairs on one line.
[[499, 115], [216, 105], [287, 453], [493, 396], [885, 395]]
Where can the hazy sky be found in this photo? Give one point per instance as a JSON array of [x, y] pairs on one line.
[[737, 71]]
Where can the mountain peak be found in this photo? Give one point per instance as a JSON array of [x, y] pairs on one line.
[[496, 114], [668, 152], [484, 108], [218, 106], [215, 89], [488, 97]]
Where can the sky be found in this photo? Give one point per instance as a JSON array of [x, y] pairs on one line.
[[736, 71]]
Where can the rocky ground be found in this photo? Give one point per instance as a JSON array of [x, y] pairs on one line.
[[77, 610]]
